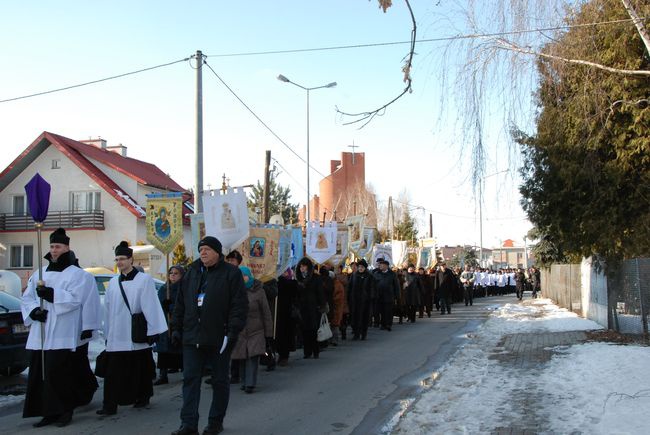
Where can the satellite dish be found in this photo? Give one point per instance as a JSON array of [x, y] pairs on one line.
[[276, 219]]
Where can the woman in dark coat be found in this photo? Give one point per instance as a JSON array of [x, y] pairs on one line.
[[170, 358], [360, 292], [412, 291], [311, 301], [288, 316]]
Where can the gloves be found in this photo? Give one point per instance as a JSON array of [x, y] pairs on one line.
[[165, 304], [86, 334], [46, 293], [151, 339], [38, 315], [176, 339]]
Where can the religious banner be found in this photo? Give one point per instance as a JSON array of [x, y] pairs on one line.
[[412, 255], [341, 245], [164, 220], [382, 250], [399, 252], [297, 249], [226, 216], [355, 232], [284, 250], [321, 241], [197, 231], [367, 242], [426, 257], [260, 252]]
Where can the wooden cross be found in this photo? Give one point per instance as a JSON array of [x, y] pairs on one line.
[[353, 146]]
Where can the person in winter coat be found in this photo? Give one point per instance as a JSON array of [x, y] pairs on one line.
[[360, 291], [520, 280], [311, 302], [447, 285], [256, 336], [412, 290], [210, 312], [426, 295], [341, 308], [387, 288], [288, 317], [170, 358]]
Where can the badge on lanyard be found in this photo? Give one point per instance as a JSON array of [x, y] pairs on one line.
[[199, 299]]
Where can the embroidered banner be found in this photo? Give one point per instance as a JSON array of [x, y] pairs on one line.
[[226, 216], [164, 220], [355, 232], [260, 252], [284, 250], [321, 241], [382, 250], [297, 249], [399, 252], [341, 245], [367, 242]]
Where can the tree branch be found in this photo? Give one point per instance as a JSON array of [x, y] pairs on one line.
[[638, 22], [507, 45], [406, 69]]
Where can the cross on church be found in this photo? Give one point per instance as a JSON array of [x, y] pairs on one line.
[[353, 146]]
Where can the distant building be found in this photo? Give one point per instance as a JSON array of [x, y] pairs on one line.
[[98, 196], [343, 192], [510, 256]]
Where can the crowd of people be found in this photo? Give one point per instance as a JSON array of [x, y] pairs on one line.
[[213, 317]]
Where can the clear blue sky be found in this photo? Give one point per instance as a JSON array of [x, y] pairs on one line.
[[53, 44]]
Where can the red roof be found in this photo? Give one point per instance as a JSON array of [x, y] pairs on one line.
[[79, 152]]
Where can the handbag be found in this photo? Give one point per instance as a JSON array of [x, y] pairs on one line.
[[138, 322], [324, 332], [101, 364]]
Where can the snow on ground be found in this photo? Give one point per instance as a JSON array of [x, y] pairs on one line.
[[591, 388]]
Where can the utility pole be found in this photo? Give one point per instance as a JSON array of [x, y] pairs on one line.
[[267, 189], [198, 180], [390, 219], [430, 225]]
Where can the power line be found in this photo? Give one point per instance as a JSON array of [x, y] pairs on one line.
[[95, 81], [289, 174], [440, 39]]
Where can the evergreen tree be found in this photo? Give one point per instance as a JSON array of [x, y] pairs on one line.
[[587, 167], [279, 200], [406, 229]]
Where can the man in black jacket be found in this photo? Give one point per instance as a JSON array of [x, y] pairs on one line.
[[210, 311], [447, 283], [388, 291]]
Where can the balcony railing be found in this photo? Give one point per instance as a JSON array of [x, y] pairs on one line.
[[66, 219]]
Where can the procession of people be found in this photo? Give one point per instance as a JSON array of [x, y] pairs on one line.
[[215, 316]]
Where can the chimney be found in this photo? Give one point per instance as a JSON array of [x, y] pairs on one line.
[[99, 142], [119, 149]]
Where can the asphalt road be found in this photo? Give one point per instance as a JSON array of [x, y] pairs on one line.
[[359, 387]]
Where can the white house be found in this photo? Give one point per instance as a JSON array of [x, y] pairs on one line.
[[98, 196]]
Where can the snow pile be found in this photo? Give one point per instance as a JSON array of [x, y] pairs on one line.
[[591, 388]]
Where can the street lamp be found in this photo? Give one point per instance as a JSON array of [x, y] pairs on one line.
[[329, 85]]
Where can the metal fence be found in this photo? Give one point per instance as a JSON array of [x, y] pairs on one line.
[[629, 297], [627, 301], [562, 284]]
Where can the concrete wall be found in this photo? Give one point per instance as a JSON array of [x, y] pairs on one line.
[[594, 293]]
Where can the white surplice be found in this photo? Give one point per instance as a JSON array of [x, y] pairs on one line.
[[62, 328], [91, 314], [143, 298]]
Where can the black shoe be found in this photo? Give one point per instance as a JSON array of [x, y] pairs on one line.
[[141, 403], [249, 390], [106, 411], [233, 380], [315, 356], [355, 337], [64, 419], [209, 381], [388, 328], [213, 428], [46, 421], [172, 370], [187, 431], [161, 381]]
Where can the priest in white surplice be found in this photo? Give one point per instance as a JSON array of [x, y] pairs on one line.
[[130, 368], [69, 314]]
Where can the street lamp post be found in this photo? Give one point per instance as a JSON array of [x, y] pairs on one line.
[[307, 90]]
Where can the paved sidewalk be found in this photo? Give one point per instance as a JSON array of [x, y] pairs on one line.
[[531, 351]]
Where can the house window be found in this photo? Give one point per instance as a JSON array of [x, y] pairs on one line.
[[21, 256], [85, 201], [20, 205], [56, 164]]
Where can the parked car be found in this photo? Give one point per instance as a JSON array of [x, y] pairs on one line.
[[14, 358], [102, 280]]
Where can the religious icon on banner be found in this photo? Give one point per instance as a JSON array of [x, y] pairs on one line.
[[367, 242], [297, 246], [321, 241], [341, 245], [164, 220], [260, 252], [384, 251], [355, 232], [226, 217], [197, 229]]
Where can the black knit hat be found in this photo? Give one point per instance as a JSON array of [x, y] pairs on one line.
[[211, 242], [363, 263], [123, 249], [59, 236]]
